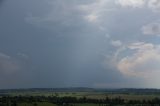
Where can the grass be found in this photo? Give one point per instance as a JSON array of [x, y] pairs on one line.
[[93, 95]]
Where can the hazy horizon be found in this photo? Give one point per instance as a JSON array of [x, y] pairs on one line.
[[79, 43]]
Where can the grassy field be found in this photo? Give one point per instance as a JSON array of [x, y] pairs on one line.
[[100, 95], [93, 95], [46, 97]]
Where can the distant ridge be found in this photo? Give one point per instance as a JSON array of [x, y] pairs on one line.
[[85, 89]]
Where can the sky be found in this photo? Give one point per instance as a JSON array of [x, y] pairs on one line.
[[79, 43]]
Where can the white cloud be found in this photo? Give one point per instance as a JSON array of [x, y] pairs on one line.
[[69, 13], [116, 43], [141, 46], [151, 29], [154, 5], [144, 62], [92, 17], [131, 3], [95, 10], [116, 55]]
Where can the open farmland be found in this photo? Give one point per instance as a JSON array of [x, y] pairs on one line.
[[128, 94], [79, 97]]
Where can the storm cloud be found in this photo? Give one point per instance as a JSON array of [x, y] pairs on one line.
[[79, 43]]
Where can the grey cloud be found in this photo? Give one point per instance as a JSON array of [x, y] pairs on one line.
[[23, 55], [1, 1], [59, 43], [116, 43], [62, 13], [151, 29], [154, 5], [8, 65], [131, 3]]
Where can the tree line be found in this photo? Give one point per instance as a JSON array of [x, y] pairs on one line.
[[72, 101]]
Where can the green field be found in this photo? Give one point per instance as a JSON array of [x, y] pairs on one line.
[[79, 98], [93, 95]]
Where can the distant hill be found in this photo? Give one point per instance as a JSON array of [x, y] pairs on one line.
[[83, 89]]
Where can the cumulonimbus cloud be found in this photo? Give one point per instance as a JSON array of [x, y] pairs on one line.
[[143, 62]]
